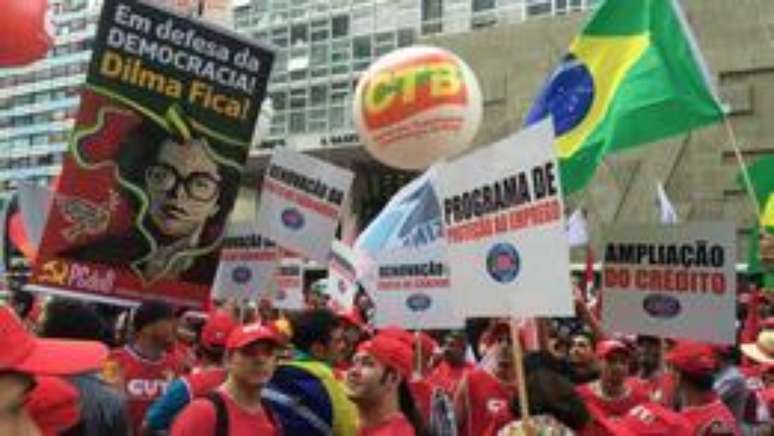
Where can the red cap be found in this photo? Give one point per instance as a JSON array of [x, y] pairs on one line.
[[53, 405], [648, 419], [428, 344], [391, 352], [605, 348], [247, 334], [22, 352], [216, 330], [693, 358]]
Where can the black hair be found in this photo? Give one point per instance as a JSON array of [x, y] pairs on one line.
[[72, 319], [211, 354], [551, 393], [700, 382], [312, 327], [142, 145], [149, 312], [407, 404], [22, 302]]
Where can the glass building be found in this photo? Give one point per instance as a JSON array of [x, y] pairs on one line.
[[324, 45]]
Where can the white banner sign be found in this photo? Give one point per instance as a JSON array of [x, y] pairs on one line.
[[402, 261], [301, 201], [675, 281], [342, 277], [247, 263], [288, 284], [504, 225]]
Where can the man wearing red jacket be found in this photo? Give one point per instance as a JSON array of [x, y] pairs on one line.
[[694, 365], [483, 398]]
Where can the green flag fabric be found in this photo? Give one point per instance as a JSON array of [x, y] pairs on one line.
[[633, 75]]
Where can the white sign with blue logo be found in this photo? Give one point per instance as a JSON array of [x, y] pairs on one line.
[[287, 285], [401, 261], [342, 276], [301, 202], [247, 262], [503, 217], [675, 281]]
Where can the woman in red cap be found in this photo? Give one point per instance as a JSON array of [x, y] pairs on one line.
[[378, 385]]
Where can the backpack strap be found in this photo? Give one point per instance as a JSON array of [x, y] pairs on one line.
[[221, 413]]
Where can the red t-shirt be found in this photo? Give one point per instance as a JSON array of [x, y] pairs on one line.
[[711, 419], [635, 394], [203, 381], [199, 418], [661, 388], [448, 377], [489, 401], [397, 425], [143, 380]]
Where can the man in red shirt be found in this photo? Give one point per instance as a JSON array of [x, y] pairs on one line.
[[253, 352], [144, 368], [694, 366], [378, 385], [203, 379], [483, 397], [615, 393], [453, 367]]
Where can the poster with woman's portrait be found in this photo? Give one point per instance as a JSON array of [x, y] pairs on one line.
[[155, 160]]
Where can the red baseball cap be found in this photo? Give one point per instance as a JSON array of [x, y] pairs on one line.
[[427, 344], [217, 329], [391, 352], [23, 352], [693, 358], [605, 348], [247, 334]]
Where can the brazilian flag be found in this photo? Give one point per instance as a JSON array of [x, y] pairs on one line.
[[762, 179], [634, 75]]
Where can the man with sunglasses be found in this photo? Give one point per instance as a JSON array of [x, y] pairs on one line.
[[236, 408], [24, 358]]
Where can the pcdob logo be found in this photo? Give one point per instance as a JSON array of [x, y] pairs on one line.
[[503, 262]]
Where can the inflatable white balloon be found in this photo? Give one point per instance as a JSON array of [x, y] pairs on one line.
[[417, 105]]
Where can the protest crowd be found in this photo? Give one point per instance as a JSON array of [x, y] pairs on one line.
[[76, 368]]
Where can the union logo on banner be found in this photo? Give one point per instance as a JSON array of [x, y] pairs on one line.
[[503, 262]]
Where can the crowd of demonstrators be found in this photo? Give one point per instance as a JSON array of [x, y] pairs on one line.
[[319, 372]]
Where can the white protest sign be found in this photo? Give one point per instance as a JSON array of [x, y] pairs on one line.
[[301, 201], [342, 277], [247, 263], [288, 282], [401, 261], [675, 281], [505, 232]]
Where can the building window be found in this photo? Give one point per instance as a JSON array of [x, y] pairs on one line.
[[340, 26], [361, 47], [432, 12], [297, 122]]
